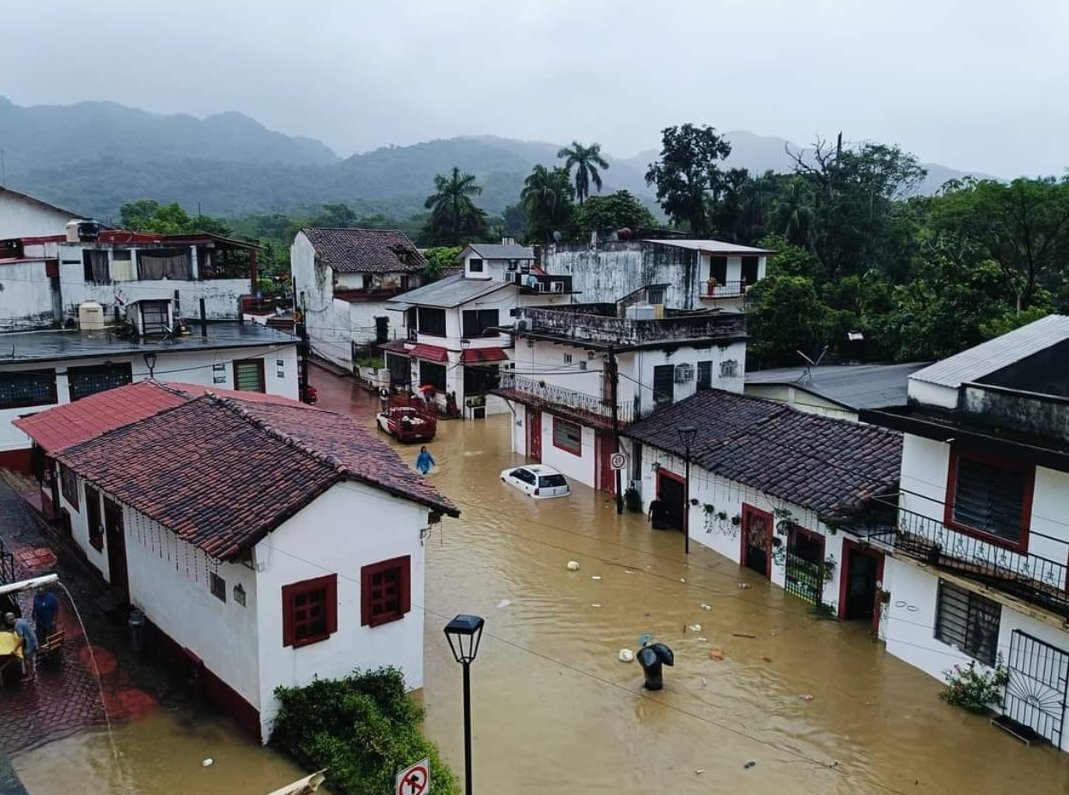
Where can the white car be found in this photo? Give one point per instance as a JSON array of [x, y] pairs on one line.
[[536, 480]]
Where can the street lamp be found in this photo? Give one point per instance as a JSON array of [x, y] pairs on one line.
[[686, 438], [463, 634]]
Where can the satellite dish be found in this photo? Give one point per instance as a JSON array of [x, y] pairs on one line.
[[557, 236]]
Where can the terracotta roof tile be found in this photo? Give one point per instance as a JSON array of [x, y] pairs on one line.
[[365, 250], [830, 466]]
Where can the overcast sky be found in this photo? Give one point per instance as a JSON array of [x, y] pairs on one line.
[[972, 84]]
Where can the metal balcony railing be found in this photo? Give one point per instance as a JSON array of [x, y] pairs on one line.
[[723, 289], [7, 564], [1035, 578], [589, 326], [555, 398]]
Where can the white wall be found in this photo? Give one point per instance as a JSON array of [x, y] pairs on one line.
[[324, 538], [190, 366], [25, 295], [327, 320], [80, 525], [637, 366], [21, 218], [800, 399], [577, 467], [932, 394]]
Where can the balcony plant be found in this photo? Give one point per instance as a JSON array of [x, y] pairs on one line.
[[975, 688]]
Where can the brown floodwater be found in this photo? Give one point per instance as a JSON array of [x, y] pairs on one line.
[[554, 711]]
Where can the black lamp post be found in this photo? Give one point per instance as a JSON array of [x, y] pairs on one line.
[[463, 634], [686, 438], [150, 363]]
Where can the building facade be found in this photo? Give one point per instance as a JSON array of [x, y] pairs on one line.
[[22, 215]]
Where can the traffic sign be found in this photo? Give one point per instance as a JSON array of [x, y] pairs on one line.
[[414, 779], [618, 460]]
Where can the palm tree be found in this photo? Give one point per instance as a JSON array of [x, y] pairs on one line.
[[586, 159], [453, 214], [547, 200]]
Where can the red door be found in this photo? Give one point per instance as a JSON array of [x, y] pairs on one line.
[[756, 540], [534, 433], [606, 475]]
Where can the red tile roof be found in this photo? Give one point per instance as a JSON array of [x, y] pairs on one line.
[[222, 474], [74, 423], [429, 353], [477, 355], [365, 250]]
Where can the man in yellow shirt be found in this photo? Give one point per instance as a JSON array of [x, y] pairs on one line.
[[10, 653]]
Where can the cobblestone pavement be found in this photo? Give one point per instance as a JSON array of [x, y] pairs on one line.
[[66, 696]]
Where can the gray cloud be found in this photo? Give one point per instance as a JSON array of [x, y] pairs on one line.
[[977, 85]]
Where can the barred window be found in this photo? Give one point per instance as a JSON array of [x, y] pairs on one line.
[[86, 381], [27, 388], [990, 497], [968, 621], [68, 485]]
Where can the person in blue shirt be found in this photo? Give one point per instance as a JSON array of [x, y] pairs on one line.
[[45, 608], [424, 461], [28, 638]]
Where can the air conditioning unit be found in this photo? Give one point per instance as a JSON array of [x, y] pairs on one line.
[[556, 287], [684, 372]]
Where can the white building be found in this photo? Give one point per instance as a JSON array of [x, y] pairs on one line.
[[979, 535], [697, 273], [247, 562], [582, 372], [40, 369], [769, 486], [24, 216], [343, 279], [46, 278], [454, 341]]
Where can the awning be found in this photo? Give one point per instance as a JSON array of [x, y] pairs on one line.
[[483, 355], [429, 353]]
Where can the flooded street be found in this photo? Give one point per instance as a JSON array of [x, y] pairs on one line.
[[816, 705]]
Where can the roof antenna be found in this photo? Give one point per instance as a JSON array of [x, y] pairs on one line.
[[807, 372]]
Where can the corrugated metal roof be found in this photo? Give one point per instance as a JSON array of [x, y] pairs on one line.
[[500, 251], [995, 354], [712, 246], [448, 293], [855, 386]]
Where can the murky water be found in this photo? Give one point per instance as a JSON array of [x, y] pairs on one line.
[[554, 711]]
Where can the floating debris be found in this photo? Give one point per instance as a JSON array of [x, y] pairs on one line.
[[749, 764], [573, 565], [207, 762], [806, 696], [595, 577], [503, 603], [716, 654], [706, 607], [695, 628], [626, 655]]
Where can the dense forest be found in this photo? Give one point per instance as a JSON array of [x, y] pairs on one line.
[[858, 250]]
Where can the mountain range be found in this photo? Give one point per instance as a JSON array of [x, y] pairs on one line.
[[94, 156]]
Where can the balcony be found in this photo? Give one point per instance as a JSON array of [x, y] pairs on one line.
[[579, 406], [1031, 577], [714, 289], [541, 283], [598, 325]]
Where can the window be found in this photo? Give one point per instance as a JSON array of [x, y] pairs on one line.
[[385, 591], [217, 585], [990, 497], [433, 374], [567, 358], [705, 375], [968, 621], [749, 270], [68, 485], [729, 368], [86, 381], [664, 384], [154, 318], [480, 380], [551, 481], [249, 375], [92, 518], [432, 321], [475, 265], [95, 266], [655, 295], [478, 322], [27, 388], [567, 436], [718, 269], [582, 364], [309, 611]]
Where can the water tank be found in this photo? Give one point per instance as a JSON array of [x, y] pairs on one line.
[[641, 312], [90, 316], [72, 231]]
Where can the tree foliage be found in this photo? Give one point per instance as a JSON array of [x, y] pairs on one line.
[[586, 160], [454, 217], [547, 199], [148, 215], [439, 258], [620, 210], [689, 180]]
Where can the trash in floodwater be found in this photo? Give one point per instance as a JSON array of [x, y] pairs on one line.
[[626, 655], [695, 627], [681, 579], [766, 658], [716, 654], [644, 639], [595, 604], [744, 585], [706, 607], [702, 639], [573, 565], [806, 696], [742, 635], [705, 682], [504, 603], [699, 771], [749, 764], [207, 762], [595, 577]]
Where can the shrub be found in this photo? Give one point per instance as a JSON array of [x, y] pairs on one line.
[[975, 689], [362, 728]]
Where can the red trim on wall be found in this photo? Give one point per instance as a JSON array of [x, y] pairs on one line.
[[1029, 471], [662, 472], [750, 510], [853, 547], [16, 460], [329, 584], [368, 617]]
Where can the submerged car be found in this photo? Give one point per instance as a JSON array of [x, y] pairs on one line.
[[537, 480]]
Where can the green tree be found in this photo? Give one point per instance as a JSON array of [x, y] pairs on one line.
[[454, 218], [620, 210], [439, 258], [586, 160], [547, 199], [784, 316], [148, 215], [688, 178]]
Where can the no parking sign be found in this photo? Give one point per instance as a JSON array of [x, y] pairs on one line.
[[414, 779]]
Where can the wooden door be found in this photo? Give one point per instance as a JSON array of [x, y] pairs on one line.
[[756, 552], [534, 434], [605, 475], [116, 540]]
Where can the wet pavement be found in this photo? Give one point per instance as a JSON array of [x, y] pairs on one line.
[[816, 705]]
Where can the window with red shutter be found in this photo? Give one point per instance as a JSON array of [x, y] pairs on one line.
[[385, 591], [309, 611]]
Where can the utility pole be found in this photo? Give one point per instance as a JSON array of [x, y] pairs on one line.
[[614, 392]]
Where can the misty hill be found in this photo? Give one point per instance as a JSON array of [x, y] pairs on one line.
[[93, 156]]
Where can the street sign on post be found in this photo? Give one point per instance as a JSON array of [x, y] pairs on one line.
[[414, 779], [618, 460]]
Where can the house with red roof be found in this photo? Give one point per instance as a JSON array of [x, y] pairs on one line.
[[264, 541], [343, 278]]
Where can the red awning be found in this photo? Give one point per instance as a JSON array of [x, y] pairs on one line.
[[481, 355], [429, 353]]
